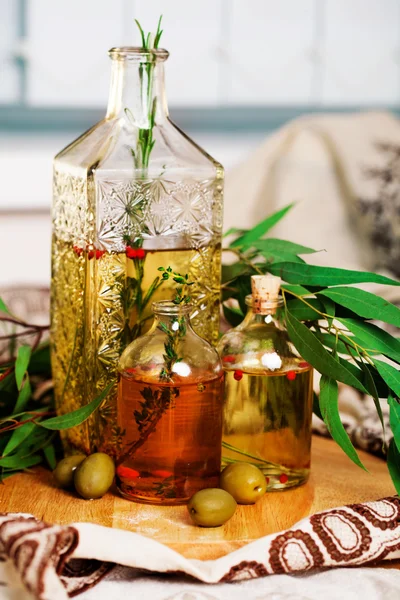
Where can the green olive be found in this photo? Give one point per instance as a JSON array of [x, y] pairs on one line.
[[211, 507], [64, 471], [94, 476], [245, 482]]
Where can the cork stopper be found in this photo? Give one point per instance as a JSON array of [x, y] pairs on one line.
[[265, 291]]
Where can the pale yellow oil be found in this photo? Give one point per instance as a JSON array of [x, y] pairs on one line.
[[267, 418], [90, 313]]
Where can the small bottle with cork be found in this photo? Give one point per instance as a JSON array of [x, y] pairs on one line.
[[268, 391]]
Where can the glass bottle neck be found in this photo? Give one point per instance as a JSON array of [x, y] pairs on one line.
[[253, 318], [137, 91]]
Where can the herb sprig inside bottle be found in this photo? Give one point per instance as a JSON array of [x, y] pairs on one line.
[[177, 329], [146, 141]]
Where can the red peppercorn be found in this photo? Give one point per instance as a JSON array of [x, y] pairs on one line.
[[162, 473], [283, 478], [291, 375], [140, 253], [99, 253], [238, 375], [131, 252], [127, 472], [267, 480], [229, 358], [91, 254], [78, 251], [304, 365]]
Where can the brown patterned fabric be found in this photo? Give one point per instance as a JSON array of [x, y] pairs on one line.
[[55, 561]]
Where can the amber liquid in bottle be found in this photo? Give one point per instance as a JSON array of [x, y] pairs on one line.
[[171, 444], [268, 417]]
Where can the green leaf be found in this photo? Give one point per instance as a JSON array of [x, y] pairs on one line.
[[21, 364], [394, 419], [3, 307], [261, 228], [20, 462], [141, 33], [234, 230], [39, 363], [329, 341], [279, 257], [234, 316], [18, 436], [305, 312], [24, 396], [316, 407], [365, 304], [374, 337], [325, 276], [393, 461], [329, 309], [370, 385], [298, 290], [230, 272], [389, 374], [50, 456], [328, 402], [76, 417], [276, 246], [311, 349]]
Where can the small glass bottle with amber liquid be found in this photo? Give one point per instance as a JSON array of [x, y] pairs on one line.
[[169, 411], [268, 392]]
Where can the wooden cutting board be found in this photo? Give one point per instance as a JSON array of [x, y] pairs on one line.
[[334, 481]]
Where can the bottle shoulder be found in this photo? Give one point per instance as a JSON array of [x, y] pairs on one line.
[[258, 347], [196, 359], [109, 146]]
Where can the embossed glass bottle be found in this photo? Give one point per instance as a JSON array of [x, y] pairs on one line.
[[132, 194], [268, 392]]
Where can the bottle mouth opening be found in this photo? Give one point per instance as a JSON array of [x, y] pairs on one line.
[[138, 54], [167, 307]]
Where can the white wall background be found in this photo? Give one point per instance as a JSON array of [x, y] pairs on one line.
[[222, 51]]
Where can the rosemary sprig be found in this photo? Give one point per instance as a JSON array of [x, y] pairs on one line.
[[146, 141]]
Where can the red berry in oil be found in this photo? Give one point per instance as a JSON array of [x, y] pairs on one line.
[[238, 375], [283, 478], [291, 375]]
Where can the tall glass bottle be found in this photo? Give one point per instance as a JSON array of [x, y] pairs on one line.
[[268, 392], [170, 394], [132, 194]]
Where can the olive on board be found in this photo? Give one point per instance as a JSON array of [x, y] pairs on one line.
[[244, 481], [94, 476], [211, 507], [65, 470]]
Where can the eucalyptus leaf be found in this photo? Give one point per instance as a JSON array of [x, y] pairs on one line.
[[261, 228], [393, 461], [389, 374], [276, 246], [365, 304], [394, 419], [78, 416], [3, 307], [50, 456], [325, 276], [234, 316], [20, 462], [370, 385], [18, 436], [24, 396], [297, 290], [305, 312], [21, 364], [311, 349], [328, 402], [374, 337]]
